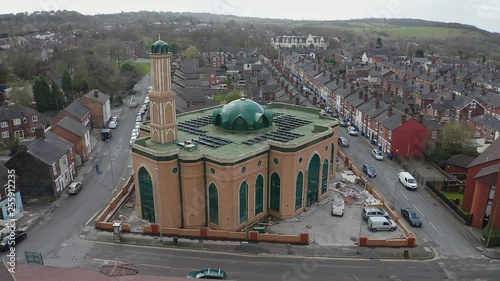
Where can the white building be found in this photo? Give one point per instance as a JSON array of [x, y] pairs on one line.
[[286, 41]]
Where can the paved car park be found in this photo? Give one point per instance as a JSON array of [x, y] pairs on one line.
[[327, 230]]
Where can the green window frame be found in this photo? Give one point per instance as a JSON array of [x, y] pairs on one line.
[[243, 202], [275, 192], [299, 188], [259, 195], [147, 195], [313, 180], [213, 203], [324, 177]]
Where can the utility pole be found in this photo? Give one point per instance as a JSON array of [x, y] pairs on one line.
[[492, 223]]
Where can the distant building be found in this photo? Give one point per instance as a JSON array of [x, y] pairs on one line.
[[287, 41]]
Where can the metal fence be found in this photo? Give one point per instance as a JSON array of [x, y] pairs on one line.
[[435, 188]]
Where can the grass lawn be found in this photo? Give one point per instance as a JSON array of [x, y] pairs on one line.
[[453, 195], [143, 67], [421, 32]]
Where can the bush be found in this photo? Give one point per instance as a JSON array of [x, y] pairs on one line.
[[495, 235]]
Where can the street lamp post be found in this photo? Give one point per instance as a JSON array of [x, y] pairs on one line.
[[158, 204], [361, 223]]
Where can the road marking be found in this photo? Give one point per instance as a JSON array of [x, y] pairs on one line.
[[92, 217], [435, 228], [154, 265], [418, 210], [356, 277], [391, 182], [405, 196]]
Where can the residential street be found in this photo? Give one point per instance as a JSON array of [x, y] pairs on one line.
[[436, 229]]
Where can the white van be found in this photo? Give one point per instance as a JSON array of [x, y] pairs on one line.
[[380, 223], [408, 181], [338, 206]]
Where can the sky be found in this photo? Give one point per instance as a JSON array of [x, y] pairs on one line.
[[484, 14]]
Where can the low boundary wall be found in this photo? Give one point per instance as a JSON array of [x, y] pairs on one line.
[[103, 221], [409, 241]]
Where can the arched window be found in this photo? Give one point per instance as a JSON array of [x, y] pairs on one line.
[[275, 192], [259, 195], [299, 186], [147, 196], [213, 203], [324, 177], [313, 180], [332, 158], [243, 202]]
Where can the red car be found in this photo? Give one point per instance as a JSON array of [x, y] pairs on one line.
[[343, 142]]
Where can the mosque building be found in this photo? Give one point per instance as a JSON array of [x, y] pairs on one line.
[[228, 166]]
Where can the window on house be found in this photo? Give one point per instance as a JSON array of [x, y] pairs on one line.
[[19, 134], [447, 112], [473, 104], [33, 129], [17, 121], [390, 134], [434, 135], [34, 118], [54, 169], [469, 114], [492, 133], [5, 135], [484, 129], [5, 124]]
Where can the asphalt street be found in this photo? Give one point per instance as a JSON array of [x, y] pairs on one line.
[[436, 229], [50, 234]]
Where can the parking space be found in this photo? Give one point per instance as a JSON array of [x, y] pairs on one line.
[[327, 230]]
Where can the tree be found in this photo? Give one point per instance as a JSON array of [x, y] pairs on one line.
[[223, 67], [66, 86], [419, 53], [24, 64], [21, 95], [129, 75], [232, 96], [379, 43], [456, 140], [4, 74], [410, 50], [58, 101], [41, 94], [191, 53], [483, 61]]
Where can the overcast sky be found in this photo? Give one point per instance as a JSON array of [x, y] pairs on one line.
[[484, 14]]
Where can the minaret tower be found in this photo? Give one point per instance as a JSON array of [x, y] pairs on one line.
[[162, 99]]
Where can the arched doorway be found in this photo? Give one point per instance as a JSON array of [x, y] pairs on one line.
[[147, 196], [324, 177], [313, 180], [275, 192], [243, 202], [299, 187], [213, 203]]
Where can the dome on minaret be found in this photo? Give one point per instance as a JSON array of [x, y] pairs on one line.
[[159, 47]]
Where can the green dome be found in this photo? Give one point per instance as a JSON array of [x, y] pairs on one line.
[[242, 115], [159, 47]]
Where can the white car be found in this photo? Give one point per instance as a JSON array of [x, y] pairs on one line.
[[137, 125], [132, 139], [352, 131], [135, 132], [138, 118], [377, 154], [115, 118], [112, 124]]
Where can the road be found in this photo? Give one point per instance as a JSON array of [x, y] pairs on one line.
[[436, 229], [175, 262], [50, 234]]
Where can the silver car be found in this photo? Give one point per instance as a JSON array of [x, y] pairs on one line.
[[352, 131], [377, 154]]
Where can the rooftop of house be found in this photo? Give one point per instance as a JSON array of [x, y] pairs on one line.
[[492, 153], [46, 151], [58, 141], [487, 121], [14, 111], [77, 109], [72, 126], [291, 126], [97, 96], [460, 160]]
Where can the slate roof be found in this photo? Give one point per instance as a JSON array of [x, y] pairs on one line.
[[77, 109], [46, 151], [58, 141], [391, 122], [270, 88], [491, 153], [72, 126], [14, 111], [487, 121], [431, 123], [101, 98], [460, 160]]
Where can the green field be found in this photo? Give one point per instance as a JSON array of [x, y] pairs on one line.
[[421, 32], [142, 67], [453, 195]]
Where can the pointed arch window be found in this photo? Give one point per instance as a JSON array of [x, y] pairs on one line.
[[259, 195], [213, 202]]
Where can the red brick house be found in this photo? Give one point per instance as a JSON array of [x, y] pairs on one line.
[[76, 111], [480, 193], [457, 165], [409, 139], [466, 107], [19, 121], [485, 126], [77, 134], [100, 108], [45, 167]]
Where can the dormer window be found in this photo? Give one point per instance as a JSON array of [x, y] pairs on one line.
[[17, 121], [473, 104]]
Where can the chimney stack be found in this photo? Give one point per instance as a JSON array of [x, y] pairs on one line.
[[315, 100], [413, 81], [377, 103], [421, 118], [389, 111], [404, 79], [22, 147], [40, 133], [345, 85], [403, 118], [360, 95], [483, 91], [352, 88], [331, 76], [431, 88], [337, 81], [453, 95], [297, 101], [365, 97], [96, 93]]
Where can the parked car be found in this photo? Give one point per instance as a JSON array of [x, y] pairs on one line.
[[373, 212], [75, 187], [112, 124], [135, 132], [208, 273], [338, 206], [380, 223], [377, 154], [138, 118], [114, 118], [411, 216], [106, 134], [369, 170], [132, 139], [342, 123], [352, 131], [6, 243], [343, 142], [408, 181]]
